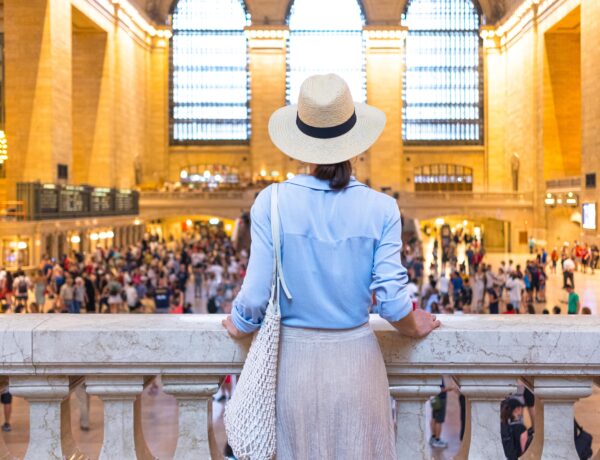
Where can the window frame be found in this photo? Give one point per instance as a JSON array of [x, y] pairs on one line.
[[209, 142], [481, 80], [288, 14], [454, 170]]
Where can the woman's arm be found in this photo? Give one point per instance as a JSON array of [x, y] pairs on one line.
[[390, 280], [250, 304]]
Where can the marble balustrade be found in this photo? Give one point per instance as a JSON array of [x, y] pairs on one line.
[[44, 357]]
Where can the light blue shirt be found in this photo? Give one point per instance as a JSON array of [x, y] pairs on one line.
[[337, 248]]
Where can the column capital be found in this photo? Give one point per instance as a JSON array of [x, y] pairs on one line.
[[487, 388], [40, 388], [190, 386], [409, 387], [267, 36], [385, 37], [562, 388], [114, 387]]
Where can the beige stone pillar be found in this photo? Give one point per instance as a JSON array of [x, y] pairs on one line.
[[92, 104], [38, 89], [590, 101], [155, 163], [267, 46], [384, 91]]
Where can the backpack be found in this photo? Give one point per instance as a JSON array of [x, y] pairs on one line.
[[510, 443], [22, 286], [113, 289], [212, 305], [583, 443]]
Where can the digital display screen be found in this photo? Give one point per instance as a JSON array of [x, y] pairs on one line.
[[588, 215]]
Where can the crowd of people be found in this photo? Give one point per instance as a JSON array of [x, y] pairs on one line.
[[472, 285], [201, 272]]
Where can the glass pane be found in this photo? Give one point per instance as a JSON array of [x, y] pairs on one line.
[[334, 28], [442, 78], [209, 75]]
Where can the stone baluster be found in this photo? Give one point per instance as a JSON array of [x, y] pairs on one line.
[[411, 394], [484, 395], [45, 395], [194, 399], [69, 447], [141, 447], [118, 393], [555, 423]]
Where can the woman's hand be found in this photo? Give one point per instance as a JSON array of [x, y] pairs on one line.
[[417, 324], [233, 331]]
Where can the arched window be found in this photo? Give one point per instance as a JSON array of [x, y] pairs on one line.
[[443, 77], [326, 37], [443, 178], [209, 72]]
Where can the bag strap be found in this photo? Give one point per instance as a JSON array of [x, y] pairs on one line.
[[278, 278]]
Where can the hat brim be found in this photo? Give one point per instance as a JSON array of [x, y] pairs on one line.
[[288, 138]]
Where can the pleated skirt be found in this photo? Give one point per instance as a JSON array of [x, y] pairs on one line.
[[333, 396]]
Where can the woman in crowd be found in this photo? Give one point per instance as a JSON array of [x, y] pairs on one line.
[[515, 436]]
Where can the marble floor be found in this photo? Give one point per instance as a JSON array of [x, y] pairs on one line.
[[160, 410]]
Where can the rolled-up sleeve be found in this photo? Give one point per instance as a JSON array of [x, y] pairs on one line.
[[251, 302], [389, 275]]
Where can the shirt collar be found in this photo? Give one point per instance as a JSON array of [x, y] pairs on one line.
[[309, 181]]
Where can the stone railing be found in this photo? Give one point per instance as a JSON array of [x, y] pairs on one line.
[[44, 357]]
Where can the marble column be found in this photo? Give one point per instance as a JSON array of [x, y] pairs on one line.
[[118, 393], [557, 396], [45, 395], [484, 395], [194, 398], [411, 395]]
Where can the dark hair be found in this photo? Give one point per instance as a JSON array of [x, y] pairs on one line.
[[337, 174]]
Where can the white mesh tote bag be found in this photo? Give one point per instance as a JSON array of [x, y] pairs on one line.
[[250, 414]]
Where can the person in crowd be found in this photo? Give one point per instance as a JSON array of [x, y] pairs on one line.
[[515, 435], [493, 301], [115, 295], [478, 290], [554, 258], [586, 311], [556, 310], [131, 297], [545, 311], [530, 309], [515, 286], [40, 287], [21, 286], [510, 309], [90, 292], [66, 294], [78, 295], [438, 417], [6, 400], [568, 267], [83, 398], [573, 304]]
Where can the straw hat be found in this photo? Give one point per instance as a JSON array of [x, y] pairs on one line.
[[326, 126]]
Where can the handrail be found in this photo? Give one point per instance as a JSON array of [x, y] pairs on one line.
[[557, 356]]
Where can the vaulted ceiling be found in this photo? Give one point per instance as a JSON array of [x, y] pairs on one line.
[[377, 11]]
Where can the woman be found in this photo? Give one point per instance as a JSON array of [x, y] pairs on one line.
[[515, 435], [39, 288], [340, 241], [478, 289]]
